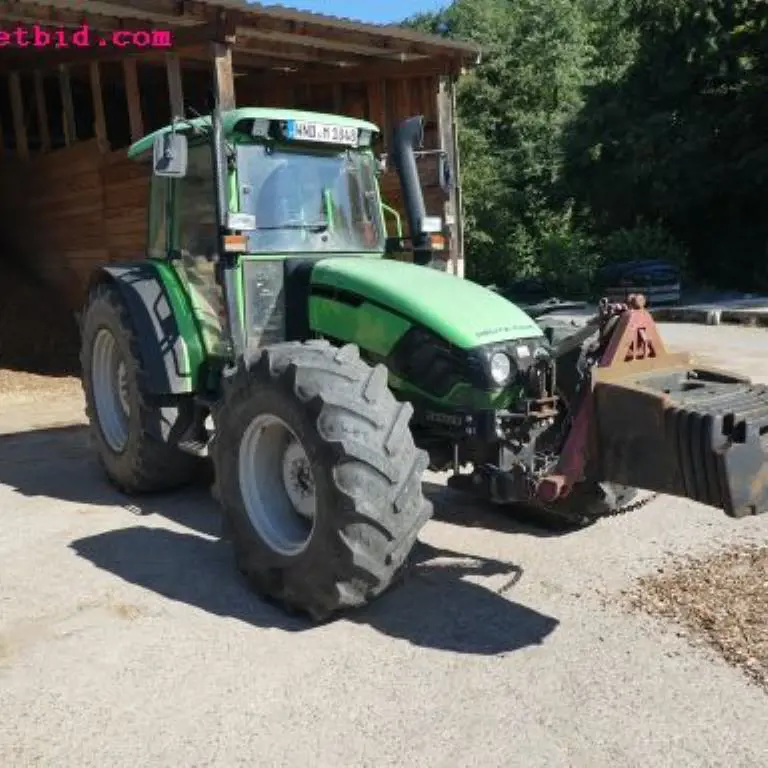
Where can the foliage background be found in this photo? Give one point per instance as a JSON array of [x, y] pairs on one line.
[[602, 130]]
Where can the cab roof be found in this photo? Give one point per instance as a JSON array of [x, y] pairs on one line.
[[231, 118]]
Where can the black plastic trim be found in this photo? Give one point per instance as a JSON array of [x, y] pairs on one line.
[[157, 332]]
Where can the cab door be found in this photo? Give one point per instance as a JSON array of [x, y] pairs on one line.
[[194, 243]]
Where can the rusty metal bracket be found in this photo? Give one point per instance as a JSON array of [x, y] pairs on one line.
[[628, 335]]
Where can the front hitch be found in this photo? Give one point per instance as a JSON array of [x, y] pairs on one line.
[[657, 421]]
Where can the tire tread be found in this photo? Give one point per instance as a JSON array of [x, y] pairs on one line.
[[153, 465], [373, 530]]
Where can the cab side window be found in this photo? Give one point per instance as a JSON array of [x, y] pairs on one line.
[[196, 205], [195, 241]]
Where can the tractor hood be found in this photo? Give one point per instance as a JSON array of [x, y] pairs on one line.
[[461, 312]]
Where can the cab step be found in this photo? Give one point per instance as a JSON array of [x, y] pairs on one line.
[[197, 448]]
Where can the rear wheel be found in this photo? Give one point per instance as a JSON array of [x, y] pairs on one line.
[[125, 424], [319, 478]]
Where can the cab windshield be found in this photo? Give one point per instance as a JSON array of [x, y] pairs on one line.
[[309, 201]]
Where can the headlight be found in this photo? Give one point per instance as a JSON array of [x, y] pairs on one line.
[[501, 368]]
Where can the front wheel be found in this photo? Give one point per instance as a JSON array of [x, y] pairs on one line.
[[319, 477]]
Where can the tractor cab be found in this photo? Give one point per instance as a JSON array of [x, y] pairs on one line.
[[280, 187]]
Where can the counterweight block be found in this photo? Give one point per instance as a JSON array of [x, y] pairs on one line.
[[697, 433], [661, 422]]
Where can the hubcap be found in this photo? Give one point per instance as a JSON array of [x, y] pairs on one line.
[[277, 485], [109, 378], [122, 388], [298, 480]]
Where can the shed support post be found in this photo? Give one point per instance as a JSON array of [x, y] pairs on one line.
[[130, 75], [99, 117], [19, 122], [446, 110], [175, 86], [67, 106], [42, 113], [223, 76]]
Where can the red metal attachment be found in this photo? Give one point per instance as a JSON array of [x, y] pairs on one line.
[[629, 335]]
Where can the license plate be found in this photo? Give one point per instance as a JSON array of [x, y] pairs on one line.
[[322, 133]]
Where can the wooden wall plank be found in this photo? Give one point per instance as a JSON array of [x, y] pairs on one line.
[[42, 113], [134, 101], [404, 99], [377, 107], [429, 88], [17, 107], [223, 76], [175, 85], [67, 106], [60, 221], [99, 119]]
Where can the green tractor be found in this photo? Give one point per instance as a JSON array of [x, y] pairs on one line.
[[266, 335]]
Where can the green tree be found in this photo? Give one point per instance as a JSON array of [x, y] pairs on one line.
[[678, 138], [596, 128], [512, 109]]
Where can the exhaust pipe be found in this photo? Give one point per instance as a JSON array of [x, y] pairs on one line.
[[408, 137]]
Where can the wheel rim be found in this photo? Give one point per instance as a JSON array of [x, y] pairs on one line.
[[277, 485], [109, 378]]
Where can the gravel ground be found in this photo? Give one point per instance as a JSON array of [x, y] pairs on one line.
[[721, 599], [17, 387], [126, 638]]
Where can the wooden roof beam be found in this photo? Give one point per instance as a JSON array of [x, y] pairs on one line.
[[297, 53], [295, 23], [250, 33], [164, 8], [124, 10], [265, 63], [52, 16], [330, 28], [366, 72], [333, 39]]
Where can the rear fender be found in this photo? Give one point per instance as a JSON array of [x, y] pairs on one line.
[[170, 345]]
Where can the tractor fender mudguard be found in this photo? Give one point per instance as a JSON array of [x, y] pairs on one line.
[[169, 343]]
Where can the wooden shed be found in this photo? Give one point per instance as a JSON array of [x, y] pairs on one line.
[[82, 80]]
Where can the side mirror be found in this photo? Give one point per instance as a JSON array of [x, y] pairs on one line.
[[170, 155]]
